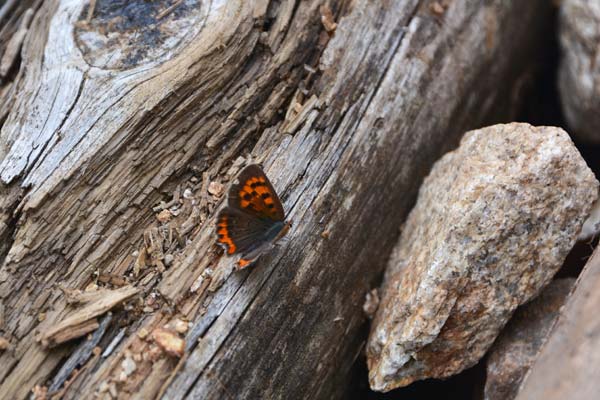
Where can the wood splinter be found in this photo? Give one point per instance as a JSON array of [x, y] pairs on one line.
[[83, 320]]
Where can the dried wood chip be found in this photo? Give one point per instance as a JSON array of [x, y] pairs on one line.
[[4, 343], [83, 320], [169, 341], [436, 8], [164, 216], [327, 19], [112, 279], [13, 47], [128, 365], [143, 333], [40, 392], [215, 188], [80, 356], [181, 326], [114, 343], [290, 126], [140, 261]]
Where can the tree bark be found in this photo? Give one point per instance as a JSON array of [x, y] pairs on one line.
[[119, 111], [568, 363]]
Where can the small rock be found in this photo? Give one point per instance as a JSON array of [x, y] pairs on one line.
[[494, 221], [515, 350], [371, 303], [128, 366], [142, 333], [188, 194], [168, 259], [579, 71], [215, 188], [169, 341], [164, 216], [181, 326], [4, 343]]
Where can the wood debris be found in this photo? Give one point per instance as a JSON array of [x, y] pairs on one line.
[[169, 341], [164, 216], [371, 303], [327, 19], [83, 320], [4, 343], [168, 10], [216, 188], [13, 47], [79, 357], [298, 113], [181, 326], [114, 343], [436, 8], [39, 392]]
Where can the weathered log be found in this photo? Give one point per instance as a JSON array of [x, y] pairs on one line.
[[120, 113], [519, 343], [568, 365], [580, 68]]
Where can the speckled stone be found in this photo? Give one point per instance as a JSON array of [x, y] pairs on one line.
[[493, 222], [579, 76], [515, 350]]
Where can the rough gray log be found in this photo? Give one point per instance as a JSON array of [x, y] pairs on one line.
[[108, 148], [494, 221], [568, 365], [519, 343], [579, 77]]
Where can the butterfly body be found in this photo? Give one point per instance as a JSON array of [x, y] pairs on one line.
[[253, 220]]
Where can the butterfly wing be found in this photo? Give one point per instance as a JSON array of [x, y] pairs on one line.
[[240, 232], [254, 194]]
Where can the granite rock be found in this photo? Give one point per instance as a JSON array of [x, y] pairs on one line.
[[579, 76], [515, 350], [493, 222]]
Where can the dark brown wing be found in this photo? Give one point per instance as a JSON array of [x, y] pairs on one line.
[[254, 194], [240, 232]]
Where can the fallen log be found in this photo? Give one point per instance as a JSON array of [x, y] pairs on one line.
[[568, 363], [346, 110]]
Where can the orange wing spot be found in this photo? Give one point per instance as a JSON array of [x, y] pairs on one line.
[[244, 203], [262, 189], [230, 246], [222, 231], [268, 200], [242, 263]]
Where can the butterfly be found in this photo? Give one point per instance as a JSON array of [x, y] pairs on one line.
[[253, 220]]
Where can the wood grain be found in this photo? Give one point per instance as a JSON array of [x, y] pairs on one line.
[[99, 135], [569, 363]]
